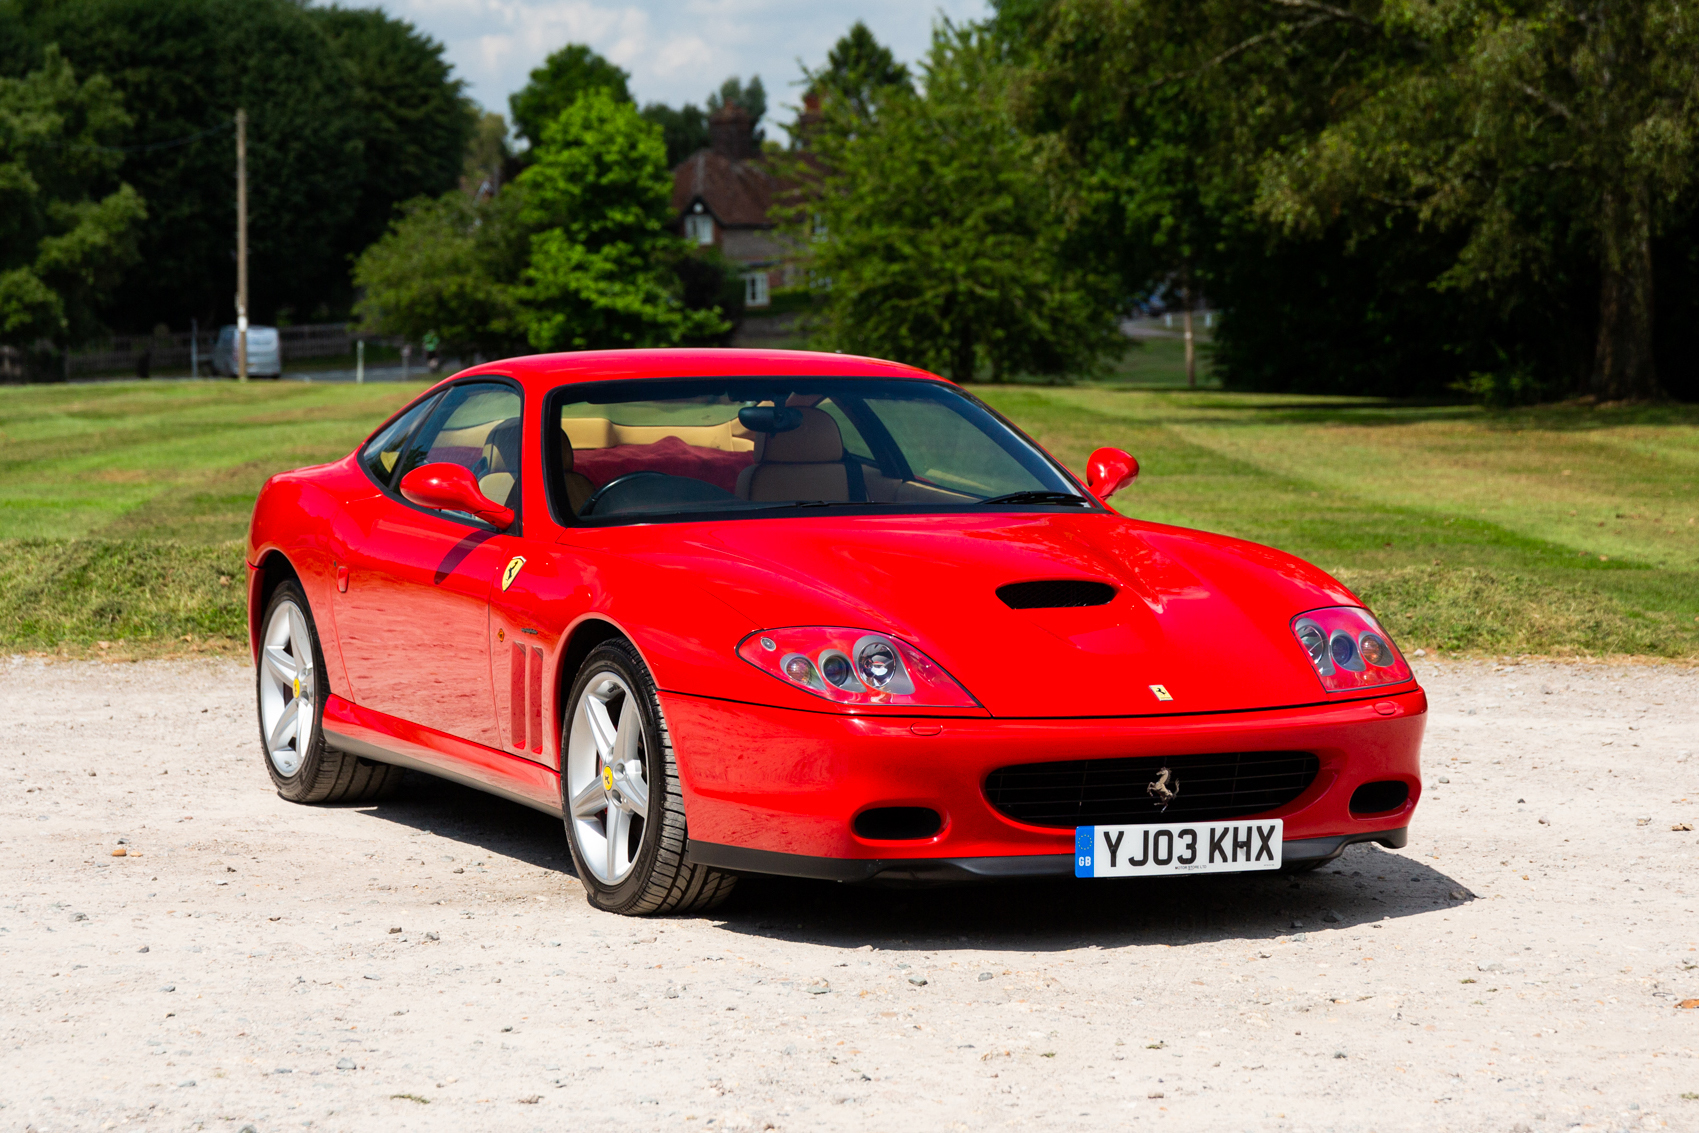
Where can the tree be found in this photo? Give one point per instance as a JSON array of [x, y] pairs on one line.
[[861, 71], [1523, 120], [63, 238], [414, 119], [597, 198], [684, 130], [449, 266], [943, 241], [572, 71], [183, 67], [489, 162]]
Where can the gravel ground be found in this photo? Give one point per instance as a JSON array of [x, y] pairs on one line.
[[430, 963]]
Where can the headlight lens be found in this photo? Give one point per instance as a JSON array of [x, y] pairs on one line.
[[1348, 649], [853, 666], [876, 661]]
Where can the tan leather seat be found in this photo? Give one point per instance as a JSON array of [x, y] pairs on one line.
[[578, 486], [806, 463], [501, 463]]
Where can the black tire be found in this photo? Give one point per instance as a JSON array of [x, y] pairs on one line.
[[325, 775], [661, 880]]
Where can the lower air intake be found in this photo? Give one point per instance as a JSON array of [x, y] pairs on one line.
[[1196, 788]]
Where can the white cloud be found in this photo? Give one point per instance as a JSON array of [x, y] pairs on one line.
[[676, 50]]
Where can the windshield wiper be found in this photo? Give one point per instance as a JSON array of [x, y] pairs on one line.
[[1037, 497]]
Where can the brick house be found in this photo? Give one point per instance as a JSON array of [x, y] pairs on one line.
[[723, 196]]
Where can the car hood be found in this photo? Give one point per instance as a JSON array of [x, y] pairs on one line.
[[1204, 616]]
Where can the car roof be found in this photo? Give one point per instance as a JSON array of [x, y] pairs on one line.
[[545, 371]]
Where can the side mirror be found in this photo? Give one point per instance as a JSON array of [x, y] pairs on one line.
[[450, 487], [1108, 471]]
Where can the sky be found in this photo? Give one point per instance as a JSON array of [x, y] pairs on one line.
[[676, 50]]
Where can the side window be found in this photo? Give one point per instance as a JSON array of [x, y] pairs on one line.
[[383, 452], [475, 425]]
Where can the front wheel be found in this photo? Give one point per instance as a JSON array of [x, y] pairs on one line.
[[620, 793], [291, 691]]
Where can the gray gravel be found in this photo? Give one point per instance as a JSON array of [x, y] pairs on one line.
[[1519, 966]]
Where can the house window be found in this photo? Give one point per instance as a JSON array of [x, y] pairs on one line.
[[755, 290], [699, 227]]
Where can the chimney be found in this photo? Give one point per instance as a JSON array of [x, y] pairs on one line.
[[731, 132]]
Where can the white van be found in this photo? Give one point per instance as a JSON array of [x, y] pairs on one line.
[[265, 352]]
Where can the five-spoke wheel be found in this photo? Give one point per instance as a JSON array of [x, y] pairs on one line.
[[606, 781], [620, 792], [290, 690]]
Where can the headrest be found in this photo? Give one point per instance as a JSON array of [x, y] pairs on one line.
[[565, 449], [815, 441], [501, 446]]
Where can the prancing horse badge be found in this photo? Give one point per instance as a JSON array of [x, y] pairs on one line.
[[1161, 692], [514, 566]]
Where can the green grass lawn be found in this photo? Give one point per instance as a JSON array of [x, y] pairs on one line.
[[1555, 530], [1559, 529]]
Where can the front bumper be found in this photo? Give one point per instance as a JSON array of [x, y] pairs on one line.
[[775, 790]]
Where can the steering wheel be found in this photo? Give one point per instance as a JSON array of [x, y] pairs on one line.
[[590, 504]]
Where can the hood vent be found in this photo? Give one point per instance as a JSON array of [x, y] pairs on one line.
[[1055, 593]]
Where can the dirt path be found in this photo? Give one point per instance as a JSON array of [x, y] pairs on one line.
[[1518, 967]]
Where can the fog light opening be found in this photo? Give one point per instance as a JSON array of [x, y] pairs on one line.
[[1380, 796], [897, 823]]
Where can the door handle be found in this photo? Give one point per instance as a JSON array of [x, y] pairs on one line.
[[341, 578]]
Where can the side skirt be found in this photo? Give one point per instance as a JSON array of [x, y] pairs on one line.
[[386, 739]]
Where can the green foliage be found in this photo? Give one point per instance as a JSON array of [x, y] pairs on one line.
[[1511, 126], [349, 112], [63, 238], [450, 267], [572, 71], [684, 130], [598, 202], [489, 162], [1398, 198], [860, 71], [414, 121], [943, 241], [185, 66]]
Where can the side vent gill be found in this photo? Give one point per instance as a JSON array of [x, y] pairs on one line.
[[1055, 593]]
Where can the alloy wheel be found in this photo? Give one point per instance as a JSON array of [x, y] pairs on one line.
[[607, 782], [287, 688]]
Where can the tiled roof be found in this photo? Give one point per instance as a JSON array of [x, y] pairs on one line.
[[738, 193]]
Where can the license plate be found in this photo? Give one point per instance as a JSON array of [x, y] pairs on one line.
[[1177, 847]]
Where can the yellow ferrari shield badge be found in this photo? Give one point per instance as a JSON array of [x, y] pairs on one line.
[[1161, 692], [607, 778], [514, 566]]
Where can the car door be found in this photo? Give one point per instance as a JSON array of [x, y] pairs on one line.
[[413, 624]]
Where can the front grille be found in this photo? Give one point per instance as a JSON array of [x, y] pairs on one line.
[[1055, 594], [1092, 792]]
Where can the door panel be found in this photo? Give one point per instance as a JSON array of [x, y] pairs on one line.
[[414, 623]]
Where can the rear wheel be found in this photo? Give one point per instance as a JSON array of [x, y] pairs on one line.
[[621, 797], [291, 709]]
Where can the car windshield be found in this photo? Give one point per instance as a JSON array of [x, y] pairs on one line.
[[645, 450]]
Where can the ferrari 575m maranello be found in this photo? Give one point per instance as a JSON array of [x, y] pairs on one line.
[[762, 612]]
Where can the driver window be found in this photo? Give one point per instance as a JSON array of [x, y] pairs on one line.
[[475, 425]]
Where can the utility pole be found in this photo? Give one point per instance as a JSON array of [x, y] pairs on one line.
[[1191, 353], [242, 245]]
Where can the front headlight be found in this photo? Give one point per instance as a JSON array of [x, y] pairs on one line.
[[1348, 649], [853, 666]]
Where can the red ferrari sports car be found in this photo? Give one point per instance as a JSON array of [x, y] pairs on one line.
[[731, 611]]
